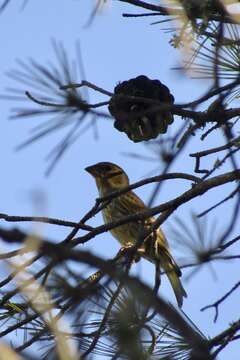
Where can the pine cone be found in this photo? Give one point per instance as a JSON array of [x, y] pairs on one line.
[[134, 117]]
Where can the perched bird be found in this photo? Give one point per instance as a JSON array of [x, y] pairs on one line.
[[109, 178]]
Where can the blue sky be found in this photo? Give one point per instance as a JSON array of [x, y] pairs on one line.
[[113, 49]]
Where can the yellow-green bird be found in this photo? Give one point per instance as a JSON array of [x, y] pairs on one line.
[[110, 177]]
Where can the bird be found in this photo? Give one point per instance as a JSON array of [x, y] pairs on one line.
[[109, 178]]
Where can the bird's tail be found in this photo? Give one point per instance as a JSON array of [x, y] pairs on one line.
[[173, 273]]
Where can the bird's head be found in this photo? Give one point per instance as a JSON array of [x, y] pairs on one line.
[[108, 176]]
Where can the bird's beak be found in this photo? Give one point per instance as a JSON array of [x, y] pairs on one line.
[[92, 170]]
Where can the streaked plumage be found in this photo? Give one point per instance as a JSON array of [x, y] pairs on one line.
[[109, 178]]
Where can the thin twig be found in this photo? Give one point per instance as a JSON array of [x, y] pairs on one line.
[[216, 304], [230, 196], [47, 220]]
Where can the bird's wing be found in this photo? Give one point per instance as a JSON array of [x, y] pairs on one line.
[[137, 205], [157, 238]]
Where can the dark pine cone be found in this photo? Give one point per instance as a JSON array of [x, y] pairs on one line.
[[134, 117], [204, 8]]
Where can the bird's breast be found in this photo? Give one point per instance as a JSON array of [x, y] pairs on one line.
[[127, 233]]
